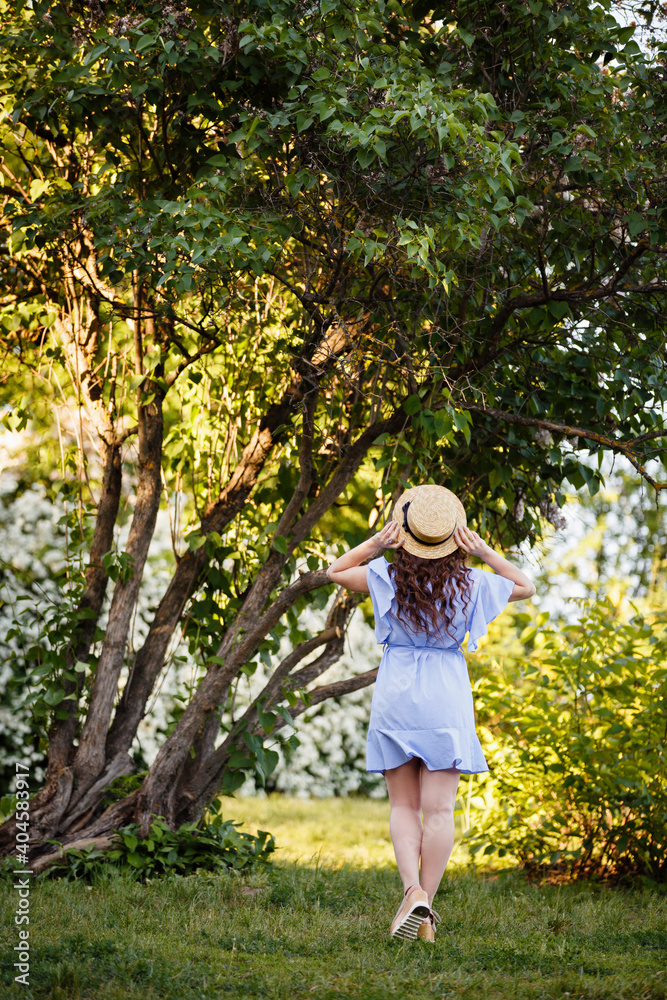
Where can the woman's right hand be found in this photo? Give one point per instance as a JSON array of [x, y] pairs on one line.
[[471, 542], [388, 537]]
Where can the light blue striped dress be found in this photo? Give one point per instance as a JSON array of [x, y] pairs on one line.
[[422, 701]]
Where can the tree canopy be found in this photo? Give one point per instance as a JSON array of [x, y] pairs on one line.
[[278, 258]]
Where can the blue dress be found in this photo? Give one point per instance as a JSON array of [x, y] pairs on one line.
[[422, 702]]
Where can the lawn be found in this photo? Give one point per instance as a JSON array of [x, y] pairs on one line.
[[316, 925], [335, 831]]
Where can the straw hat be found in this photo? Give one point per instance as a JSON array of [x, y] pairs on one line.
[[429, 516]]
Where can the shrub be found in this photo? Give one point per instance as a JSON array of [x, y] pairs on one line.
[[215, 846], [575, 734]]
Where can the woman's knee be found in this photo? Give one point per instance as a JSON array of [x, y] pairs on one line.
[[403, 785], [438, 814], [438, 794]]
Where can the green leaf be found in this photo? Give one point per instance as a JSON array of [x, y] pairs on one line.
[[558, 309], [239, 759], [267, 720], [636, 224], [231, 780], [465, 36], [54, 696], [280, 544]]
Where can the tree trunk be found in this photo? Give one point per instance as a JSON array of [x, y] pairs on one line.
[[199, 785], [91, 755], [149, 660]]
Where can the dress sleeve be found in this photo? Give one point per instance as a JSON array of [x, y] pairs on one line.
[[493, 593], [382, 594]]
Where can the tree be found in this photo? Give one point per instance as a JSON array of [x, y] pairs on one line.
[[279, 255]]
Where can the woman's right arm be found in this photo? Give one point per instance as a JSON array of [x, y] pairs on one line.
[[471, 543]]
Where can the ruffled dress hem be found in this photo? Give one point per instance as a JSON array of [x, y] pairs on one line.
[[387, 748]]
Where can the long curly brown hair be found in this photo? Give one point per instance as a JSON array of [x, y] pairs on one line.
[[426, 590]]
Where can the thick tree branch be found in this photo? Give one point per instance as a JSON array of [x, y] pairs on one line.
[[334, 690], [205, 783], [306, 468], [149, 660]]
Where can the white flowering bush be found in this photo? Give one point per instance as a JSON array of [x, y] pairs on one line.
[[33, 560], [31, 555]]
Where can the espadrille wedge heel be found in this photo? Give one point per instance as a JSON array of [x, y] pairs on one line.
[[426, 930], [410, 914]]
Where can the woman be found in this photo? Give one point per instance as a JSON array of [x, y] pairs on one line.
[[421, 732]]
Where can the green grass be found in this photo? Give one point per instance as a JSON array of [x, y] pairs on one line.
[[320, 930], [333, 831]]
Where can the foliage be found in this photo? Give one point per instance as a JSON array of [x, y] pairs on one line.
[[215, 847], [576, 732]]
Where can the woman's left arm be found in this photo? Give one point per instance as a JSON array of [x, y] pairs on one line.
[[347, 570]]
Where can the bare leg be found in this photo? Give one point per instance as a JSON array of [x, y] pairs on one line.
[[405, 823], [438, 796]]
